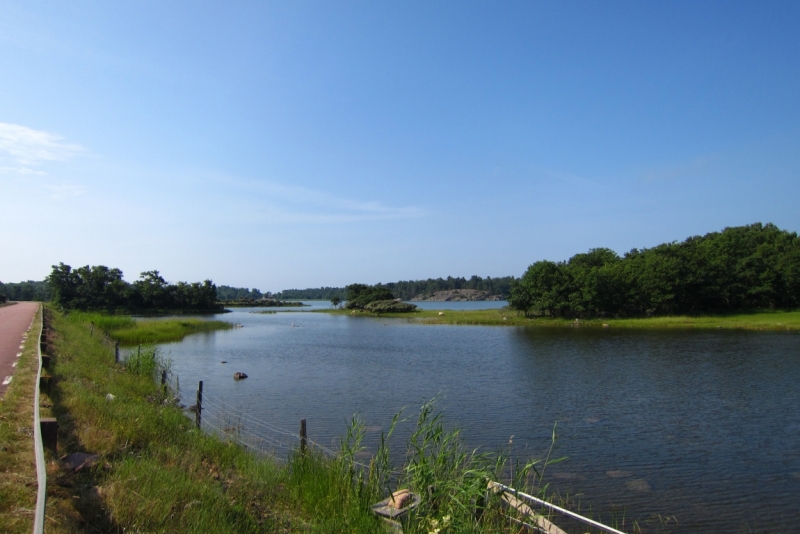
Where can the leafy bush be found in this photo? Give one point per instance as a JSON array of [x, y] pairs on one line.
[[390, 306], [359, 295]]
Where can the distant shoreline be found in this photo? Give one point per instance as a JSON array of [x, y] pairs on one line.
[[768, 320]]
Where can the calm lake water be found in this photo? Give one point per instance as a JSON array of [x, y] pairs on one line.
[[702, 426]]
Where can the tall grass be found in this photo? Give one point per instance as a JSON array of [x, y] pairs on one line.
[[106, 323], [451, 479]]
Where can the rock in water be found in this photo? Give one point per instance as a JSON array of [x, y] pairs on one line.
[[239, 376]]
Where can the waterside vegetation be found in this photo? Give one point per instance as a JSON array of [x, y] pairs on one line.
[[156, 472], [764, 320], [130, 331], [738, 270]]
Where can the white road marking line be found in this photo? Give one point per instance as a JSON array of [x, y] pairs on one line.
[[8, 380], [22, 346], [14, 364], [19, 354]]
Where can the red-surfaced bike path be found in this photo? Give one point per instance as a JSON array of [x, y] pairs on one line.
[[14, 321]]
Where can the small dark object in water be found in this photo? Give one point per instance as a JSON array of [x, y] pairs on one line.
[[239, 376], [223, 361]]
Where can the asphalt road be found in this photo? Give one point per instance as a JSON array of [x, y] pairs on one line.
[[14, 321]]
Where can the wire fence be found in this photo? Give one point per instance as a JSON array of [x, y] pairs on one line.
[[233, 424]]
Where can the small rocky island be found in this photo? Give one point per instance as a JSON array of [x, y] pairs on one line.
[[455, 295]]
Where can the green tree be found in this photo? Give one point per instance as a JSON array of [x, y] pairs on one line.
[[359, 295]]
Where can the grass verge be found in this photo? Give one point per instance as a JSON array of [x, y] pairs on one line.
[[129, 331], [768, 320], [17, 462], [155, 472]]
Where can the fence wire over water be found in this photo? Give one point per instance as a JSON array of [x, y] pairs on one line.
[[233, 424]]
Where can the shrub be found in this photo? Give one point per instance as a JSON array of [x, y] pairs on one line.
[[390, 306]]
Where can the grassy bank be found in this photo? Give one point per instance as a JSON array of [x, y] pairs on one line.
[[156, 472], [129, 331], [17, 463], [778, 320]]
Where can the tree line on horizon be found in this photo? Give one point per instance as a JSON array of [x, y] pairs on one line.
[[408, 289], [743, 268], [238, 293], [30, 290], [102, 288]]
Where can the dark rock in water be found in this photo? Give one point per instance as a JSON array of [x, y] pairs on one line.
[[223, 361], [239, 376]]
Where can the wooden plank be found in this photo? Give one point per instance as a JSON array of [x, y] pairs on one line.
[[541, 522]]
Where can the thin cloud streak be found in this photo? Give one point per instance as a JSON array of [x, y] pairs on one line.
[[278, 203], [21, 170], [28, 147]]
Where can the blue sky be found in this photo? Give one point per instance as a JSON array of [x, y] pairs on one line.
[[301, 144]]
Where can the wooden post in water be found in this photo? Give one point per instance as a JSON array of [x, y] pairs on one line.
[[198, 417], [303, 436], [116, 352]]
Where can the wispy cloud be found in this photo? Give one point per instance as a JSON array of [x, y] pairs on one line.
[[21, 170], [25, 148], [292, 204]]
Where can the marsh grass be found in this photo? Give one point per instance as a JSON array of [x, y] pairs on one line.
[[17, 464], [763, 320], [129, 331]]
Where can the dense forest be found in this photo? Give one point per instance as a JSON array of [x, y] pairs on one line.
[[739, 269], [407, 290], [29, 290], [102, 288]]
